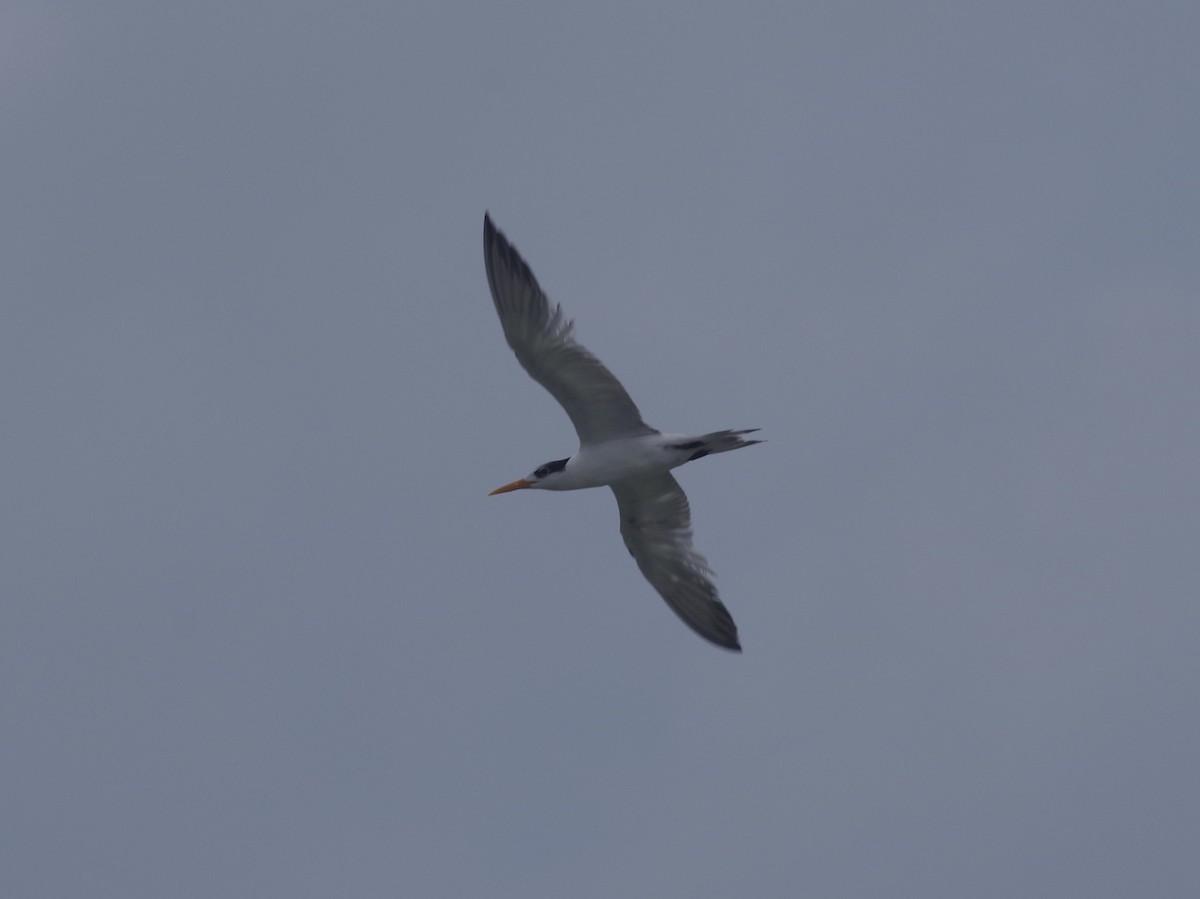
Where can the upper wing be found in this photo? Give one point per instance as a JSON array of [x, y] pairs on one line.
[[598, 405], [657, 527]]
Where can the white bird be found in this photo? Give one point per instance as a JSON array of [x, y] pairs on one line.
[[616, 448]]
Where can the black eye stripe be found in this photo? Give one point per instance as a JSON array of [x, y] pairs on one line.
[[551, 467]]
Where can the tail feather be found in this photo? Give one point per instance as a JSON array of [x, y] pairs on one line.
[[718, 442]]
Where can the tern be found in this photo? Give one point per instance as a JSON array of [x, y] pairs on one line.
[[616, 448]]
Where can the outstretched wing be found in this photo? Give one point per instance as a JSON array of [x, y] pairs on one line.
[[657, 526], [597, 404]]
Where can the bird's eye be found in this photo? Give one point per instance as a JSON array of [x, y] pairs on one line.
[[541, 472]]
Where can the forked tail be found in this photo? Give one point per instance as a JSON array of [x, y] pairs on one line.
[[717, 442]]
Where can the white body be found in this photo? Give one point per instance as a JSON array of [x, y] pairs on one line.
[[600, 464]]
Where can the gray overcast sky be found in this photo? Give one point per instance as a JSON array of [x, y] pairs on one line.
[[265, 635]]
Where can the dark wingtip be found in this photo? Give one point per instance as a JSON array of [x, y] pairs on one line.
[[721, 630], [729, 643], [494, 237]]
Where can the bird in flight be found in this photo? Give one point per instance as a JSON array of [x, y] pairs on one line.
[[616, 448]]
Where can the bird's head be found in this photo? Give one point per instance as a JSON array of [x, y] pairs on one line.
[[542, 477]]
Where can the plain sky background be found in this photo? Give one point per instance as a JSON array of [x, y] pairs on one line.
[[264, 634]]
